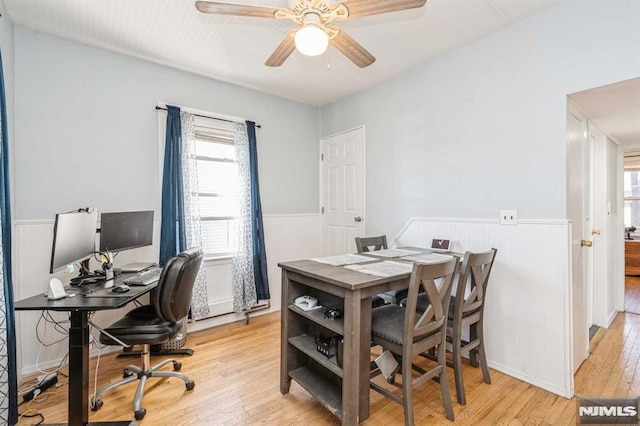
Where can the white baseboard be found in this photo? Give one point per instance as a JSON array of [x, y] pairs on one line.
[[517, 374], [612, 317]]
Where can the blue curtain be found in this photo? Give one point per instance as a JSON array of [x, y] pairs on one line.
[[172, 232], [8, 388], [259, 253]]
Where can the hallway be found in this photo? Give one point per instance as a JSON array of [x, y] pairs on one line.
[[632, 294], [612, 368]]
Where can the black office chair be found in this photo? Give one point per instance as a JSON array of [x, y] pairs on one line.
[[153, 324]]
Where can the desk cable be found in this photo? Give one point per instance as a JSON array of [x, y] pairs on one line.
[[95, 340], [59, 326], [46, 318], [99, 347], [32, 412]]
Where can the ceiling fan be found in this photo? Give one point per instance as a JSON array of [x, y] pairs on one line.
[[315, 18]]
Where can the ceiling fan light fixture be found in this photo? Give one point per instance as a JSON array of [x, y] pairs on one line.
[[311, 40], [314, 19]]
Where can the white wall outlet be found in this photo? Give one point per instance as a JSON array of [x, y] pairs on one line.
[[508, 217]]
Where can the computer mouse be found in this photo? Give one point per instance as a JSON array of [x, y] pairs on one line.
[[122, 288]]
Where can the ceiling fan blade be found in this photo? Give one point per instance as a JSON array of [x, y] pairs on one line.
[[375, 7], [283, 51], [352, 49], [235, 9]]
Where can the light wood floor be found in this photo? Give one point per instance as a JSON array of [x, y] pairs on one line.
[[236, 370], [632, 294]]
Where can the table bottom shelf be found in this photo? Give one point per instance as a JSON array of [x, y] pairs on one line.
[[327, 392]]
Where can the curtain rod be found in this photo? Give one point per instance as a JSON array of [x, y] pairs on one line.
[[213, 118]]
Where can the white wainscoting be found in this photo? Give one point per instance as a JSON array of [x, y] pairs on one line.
[[528, 322], [527, 314], [288, 237]]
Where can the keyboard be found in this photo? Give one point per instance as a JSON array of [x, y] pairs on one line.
[[147, 277]]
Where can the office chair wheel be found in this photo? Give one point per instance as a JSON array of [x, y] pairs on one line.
[[96, 404], [177, 365], [127, 373], [190, 385], [140, 414]]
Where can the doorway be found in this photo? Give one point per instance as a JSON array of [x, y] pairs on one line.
[[342, 185], [611, 112], [579, 213], [631, 194]]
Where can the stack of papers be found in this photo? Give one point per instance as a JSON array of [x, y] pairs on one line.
[[388, 268], [342, 259], [392, 252]]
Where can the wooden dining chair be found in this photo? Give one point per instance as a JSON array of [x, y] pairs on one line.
[[366, 244], [369, 244], [407, 333], [466, 310]]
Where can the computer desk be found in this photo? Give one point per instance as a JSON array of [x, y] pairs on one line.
[[79, 308]]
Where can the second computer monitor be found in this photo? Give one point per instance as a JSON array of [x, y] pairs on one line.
[[125, 230], [74, 238]]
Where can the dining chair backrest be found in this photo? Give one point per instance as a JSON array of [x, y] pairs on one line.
[[433, 320], [472, 284], [365, 244], [467, 312]]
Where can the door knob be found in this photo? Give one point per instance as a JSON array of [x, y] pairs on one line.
[[585, 243], [357, 219]]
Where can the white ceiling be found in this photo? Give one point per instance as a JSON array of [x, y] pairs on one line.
[[614, 110], [234, 49]]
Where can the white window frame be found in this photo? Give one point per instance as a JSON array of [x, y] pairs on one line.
[[217, 121], [213, 131], [631, 198]]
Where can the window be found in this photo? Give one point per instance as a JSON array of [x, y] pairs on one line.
[[632, 198], [217, 189]]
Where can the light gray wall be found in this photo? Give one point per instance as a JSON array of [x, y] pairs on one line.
[[483, 128], [86, 130]]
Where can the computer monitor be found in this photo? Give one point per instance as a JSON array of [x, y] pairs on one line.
[[74, 238], [125, 230]]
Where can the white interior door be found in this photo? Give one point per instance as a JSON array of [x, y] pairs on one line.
[[578, 209], [342, 174]]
